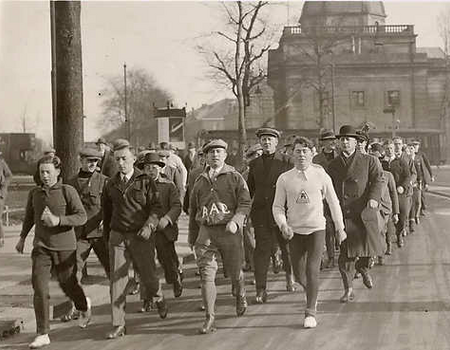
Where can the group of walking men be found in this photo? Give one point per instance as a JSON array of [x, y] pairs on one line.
[[296, 201]]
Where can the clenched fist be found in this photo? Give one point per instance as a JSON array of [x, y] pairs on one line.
[[232, 227]]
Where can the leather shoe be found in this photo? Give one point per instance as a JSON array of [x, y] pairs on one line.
[[241, 305], [261, 296], [208, 326], [290, 286], [400, 242], [388, 250], [161, 305], [177, 289], [367, 280], [348, 296], [118, 331], [147, 306]]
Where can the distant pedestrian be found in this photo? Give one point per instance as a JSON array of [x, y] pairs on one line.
[[54, 209], [107, 164], [5, 179]]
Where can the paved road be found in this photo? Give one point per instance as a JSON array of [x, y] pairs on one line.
[[409, 308]]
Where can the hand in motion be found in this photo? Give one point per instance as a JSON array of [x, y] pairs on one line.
[[372, 204], [341, 236], [20, 245], [395, 218], [231, 227], [287, 232], [145, 232], [400, 190], [163, 223], [49, 219]]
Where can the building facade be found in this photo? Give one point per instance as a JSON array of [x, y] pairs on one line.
[[344, 65]]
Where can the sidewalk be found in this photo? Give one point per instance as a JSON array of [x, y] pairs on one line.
[[16, 293]]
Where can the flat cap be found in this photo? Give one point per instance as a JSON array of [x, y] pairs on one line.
[[190, 145], [327, 135], [49, 150], [268, 131], [120, 144], [217, 143], [141, 155], [416, 142], [153, 158], [253, 149], [91, 153], [101, 140]]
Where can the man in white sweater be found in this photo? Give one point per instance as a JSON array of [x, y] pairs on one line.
[[298, 212]]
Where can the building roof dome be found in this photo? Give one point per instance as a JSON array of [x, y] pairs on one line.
[[319, 11]]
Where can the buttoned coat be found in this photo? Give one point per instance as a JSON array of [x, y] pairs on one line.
[[355, 183], [262, 186]]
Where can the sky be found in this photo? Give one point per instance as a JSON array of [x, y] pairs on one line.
[[158, 36]]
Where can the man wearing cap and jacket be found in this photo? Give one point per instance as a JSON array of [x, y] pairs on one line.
[[263, 175], [219, 203], [357, 180], [131, 209], [167, 230], [89, 184], [326, 155]]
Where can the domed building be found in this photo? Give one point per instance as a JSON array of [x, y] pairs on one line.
[[342, 64]]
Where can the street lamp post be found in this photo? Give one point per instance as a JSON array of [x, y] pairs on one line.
[[333, 102]]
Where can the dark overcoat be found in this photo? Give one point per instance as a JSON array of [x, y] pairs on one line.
[[262, 185], [355, 183], [171, 206]]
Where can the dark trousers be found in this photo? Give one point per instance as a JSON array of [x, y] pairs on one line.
[[64, 263], [348, 266], [330, 240], [416, 203], [266, 237], [124, 249], [249, 244], [404, 203], [422, 200], [84, 247], [306, 254], [167, 257]]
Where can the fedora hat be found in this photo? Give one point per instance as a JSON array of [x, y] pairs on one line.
[[348, 131], [327, 135], [153, 158]]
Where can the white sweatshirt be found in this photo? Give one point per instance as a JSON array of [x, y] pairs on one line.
[[299, 200]]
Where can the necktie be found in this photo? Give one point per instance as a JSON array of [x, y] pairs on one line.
[[124, 180]]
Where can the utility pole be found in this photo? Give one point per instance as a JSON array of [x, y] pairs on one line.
[[127, 119], [67, 83], [333, 97]]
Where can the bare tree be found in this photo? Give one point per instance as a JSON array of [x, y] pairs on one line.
[[316, 54], [239, 65], [443, 23], [142, 92]]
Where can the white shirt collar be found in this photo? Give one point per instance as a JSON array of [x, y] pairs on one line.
[[127, 175]]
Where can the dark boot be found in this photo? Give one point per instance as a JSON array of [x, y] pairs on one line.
[[389, 249]]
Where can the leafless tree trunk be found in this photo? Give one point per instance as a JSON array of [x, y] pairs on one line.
[[68, 131], [238, 71]]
